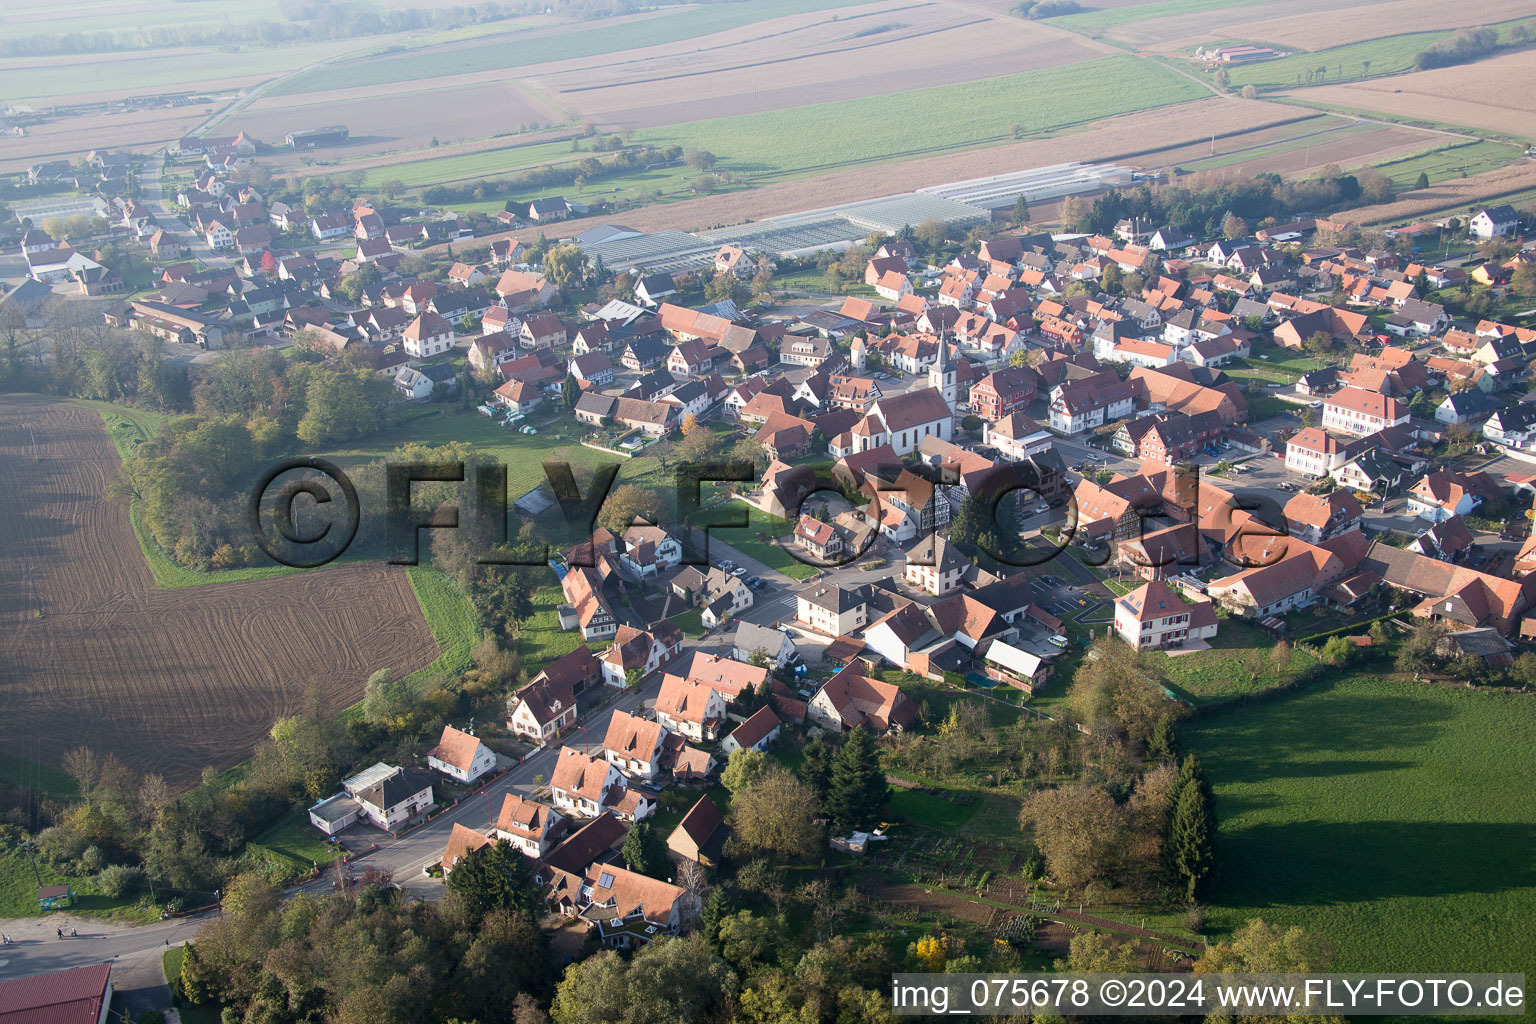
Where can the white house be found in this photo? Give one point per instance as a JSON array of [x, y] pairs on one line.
[[1153, 617], [775, 644], [426, 336], [461, 755], [385, 796], [1494, 222], [756, 733], [1353, 410], [649, 550]]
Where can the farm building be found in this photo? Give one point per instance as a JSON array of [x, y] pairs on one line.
[[314, 138]]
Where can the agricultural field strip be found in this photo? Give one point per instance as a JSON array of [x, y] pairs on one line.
[[1368, 21], [582, 42], [184, 679]]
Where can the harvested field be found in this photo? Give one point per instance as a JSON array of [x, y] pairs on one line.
[[1497, 95], [68, 138], [170, 681], [1373, 21], [410, 120], [1447, 195]]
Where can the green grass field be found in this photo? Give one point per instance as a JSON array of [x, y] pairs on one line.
[[489, 164], [900, 125], [1450, 162], [581, 41], [1239, 663], [19, 771], [150, 69], [450, 616], [522, 454], [1106, 18], [1393, 819], [294, 841], [1388, 56]]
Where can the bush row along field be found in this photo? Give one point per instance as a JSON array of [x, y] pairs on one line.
[[918, 121], [1393, 819], [1111, 17], [582, 41], [1450, 162]]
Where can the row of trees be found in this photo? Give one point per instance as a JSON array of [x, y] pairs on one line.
[[1202, 211]]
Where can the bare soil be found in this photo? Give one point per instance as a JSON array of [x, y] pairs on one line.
[[1372, 21], [171, 681], [1497, 94]]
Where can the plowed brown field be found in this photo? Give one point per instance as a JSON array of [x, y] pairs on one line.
[[171, 681]]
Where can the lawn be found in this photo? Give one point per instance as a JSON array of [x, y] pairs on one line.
[[899, 125], [1395, 820], [18, 892], [745, 540], [581, 41], [1239, 663], [541, 639], [690, 622], [294, 841], [930, 811], [523, 455]]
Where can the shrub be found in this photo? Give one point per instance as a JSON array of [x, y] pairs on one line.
[[93, 859], [117, 880]]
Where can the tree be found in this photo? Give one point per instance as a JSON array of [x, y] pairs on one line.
[[1233, 226], [932, 233], [494, 878], [624, 505], [565, 266], [644, 850], [1080, 831], [816, 763], [857, 790], [776, 815], [570, 391], [337, 407], [1422, 182], [1091, 952], [700, 159], [1419, 653], [1021, 211], [1191, 838], [1319, 343], [1250, 93], [1163, 743], [1338, 651], [970, 519], [744, 769], [1259, 947]]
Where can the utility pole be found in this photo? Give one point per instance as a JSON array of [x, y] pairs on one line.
[[31, 850]]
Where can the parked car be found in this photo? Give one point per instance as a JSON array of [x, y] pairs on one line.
[[1058, 641], [739, 572]]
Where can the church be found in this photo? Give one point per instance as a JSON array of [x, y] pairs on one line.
[[903, 421]]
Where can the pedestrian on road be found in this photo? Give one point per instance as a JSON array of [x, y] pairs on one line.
[[73, 933], [60, 931]]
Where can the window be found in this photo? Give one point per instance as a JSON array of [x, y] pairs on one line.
[[605, 880]]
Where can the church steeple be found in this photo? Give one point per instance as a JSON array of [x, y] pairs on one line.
[[942, 376]]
